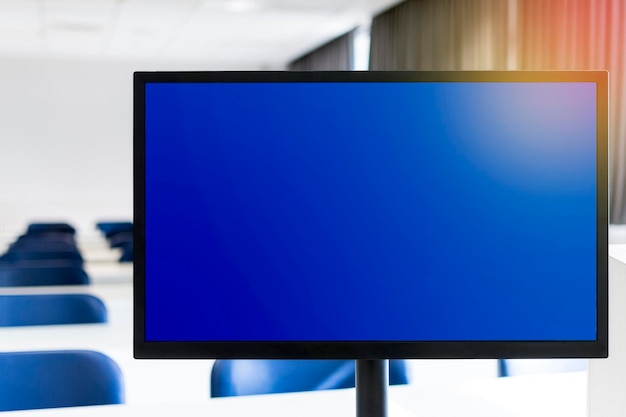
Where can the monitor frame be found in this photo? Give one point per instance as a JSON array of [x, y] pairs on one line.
[[373, 350]]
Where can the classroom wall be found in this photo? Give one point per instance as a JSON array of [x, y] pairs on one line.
[[66, 138]]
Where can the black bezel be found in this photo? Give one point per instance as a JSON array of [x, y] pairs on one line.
[[358, 349]]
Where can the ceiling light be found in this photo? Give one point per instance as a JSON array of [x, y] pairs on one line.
[[241, 6]]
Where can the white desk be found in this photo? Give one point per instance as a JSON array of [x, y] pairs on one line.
[[109, 272], [545, 396], [185, 383], [166, 387]]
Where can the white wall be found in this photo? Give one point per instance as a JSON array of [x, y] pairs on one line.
[[66, 139]]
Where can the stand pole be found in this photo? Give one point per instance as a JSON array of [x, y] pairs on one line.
[[372, 379]]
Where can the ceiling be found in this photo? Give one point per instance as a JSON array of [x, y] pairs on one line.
[[260, 34]]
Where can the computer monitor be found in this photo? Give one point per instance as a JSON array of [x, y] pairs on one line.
[[371, 215]]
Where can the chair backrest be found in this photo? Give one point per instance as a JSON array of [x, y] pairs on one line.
[[42, 245], [25, 254], [111, 228], [120, 239], [34, 228], [230, 377], [47, 309], [42, 272], [31, 380], [128, 252], [517, 367], [48, 237]]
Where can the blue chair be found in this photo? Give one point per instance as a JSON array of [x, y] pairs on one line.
[[128, 252], [49, 272], [41, 245], [517, 367], [37, 254], [50, 379], [44, 241], [120, 239], [111, 228], [47, 237], [46, 309], [232, 377], [36, 228], [119, 235]]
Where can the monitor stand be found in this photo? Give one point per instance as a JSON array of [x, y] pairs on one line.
[[372, 380]]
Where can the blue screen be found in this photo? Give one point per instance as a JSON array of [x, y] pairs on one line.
[[370, 211]]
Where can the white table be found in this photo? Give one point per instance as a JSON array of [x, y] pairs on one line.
[[163, 387], [109, 272], [544, 396], [186, 382]]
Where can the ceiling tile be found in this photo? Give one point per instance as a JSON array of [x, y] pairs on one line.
[[252, 33]]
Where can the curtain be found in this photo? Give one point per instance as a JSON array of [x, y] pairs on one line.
[[336, 55], [440, 35], [583, 35], [515, 34]]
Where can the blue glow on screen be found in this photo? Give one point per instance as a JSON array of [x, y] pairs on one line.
[[370, 211]]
